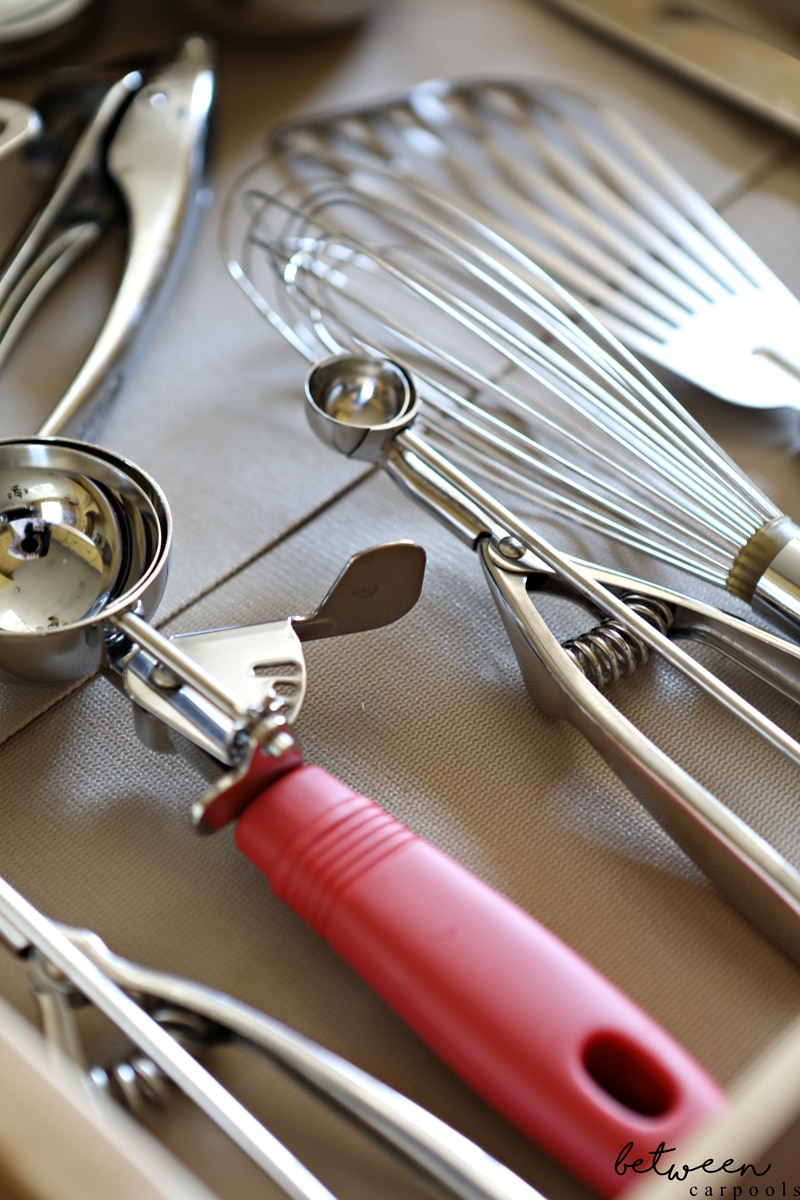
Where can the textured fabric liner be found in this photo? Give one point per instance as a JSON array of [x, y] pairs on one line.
[[430, 716]]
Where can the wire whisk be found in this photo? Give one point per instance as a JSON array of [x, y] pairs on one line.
[[522, 386]]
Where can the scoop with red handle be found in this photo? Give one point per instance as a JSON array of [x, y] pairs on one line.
[[540, 1034], [531, 1026]]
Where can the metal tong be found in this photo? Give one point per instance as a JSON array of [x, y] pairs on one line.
[[165, 1016], [142, 151]]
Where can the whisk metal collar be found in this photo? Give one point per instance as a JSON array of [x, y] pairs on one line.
[[778, 590]]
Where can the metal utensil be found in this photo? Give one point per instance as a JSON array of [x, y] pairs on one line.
[[142, 150], [522, 384], [85, 539], [556, 1048], [368, 408], [148, 1005], [544, 178], [26, 931]]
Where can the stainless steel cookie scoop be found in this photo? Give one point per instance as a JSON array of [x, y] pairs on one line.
[[367, 407], [85, 538]]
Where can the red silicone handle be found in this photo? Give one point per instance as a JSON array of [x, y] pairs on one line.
[[541, 1035]]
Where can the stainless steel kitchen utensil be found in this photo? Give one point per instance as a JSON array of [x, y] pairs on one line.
[[537, 174], [141, 151], [527, 1023], [521, 383], [84, 537], [170, 1020], [367, 408], [707, 43]]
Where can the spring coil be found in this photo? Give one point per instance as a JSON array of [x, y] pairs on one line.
[[137, 1082], [610, 652]]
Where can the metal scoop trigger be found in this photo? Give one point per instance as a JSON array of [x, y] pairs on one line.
[[376, 587], [757, 881], [261, 670]]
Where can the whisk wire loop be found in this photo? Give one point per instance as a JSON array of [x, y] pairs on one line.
[[564, 493]]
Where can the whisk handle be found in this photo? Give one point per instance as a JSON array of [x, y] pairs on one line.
[[530, 1025]]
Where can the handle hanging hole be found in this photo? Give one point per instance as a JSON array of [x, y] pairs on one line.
[[628, 1074]]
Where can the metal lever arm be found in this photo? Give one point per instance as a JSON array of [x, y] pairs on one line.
[[745, 868], [480, 520], [526, 1022]]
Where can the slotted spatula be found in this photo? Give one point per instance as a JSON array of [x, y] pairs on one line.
[[542, 175]]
